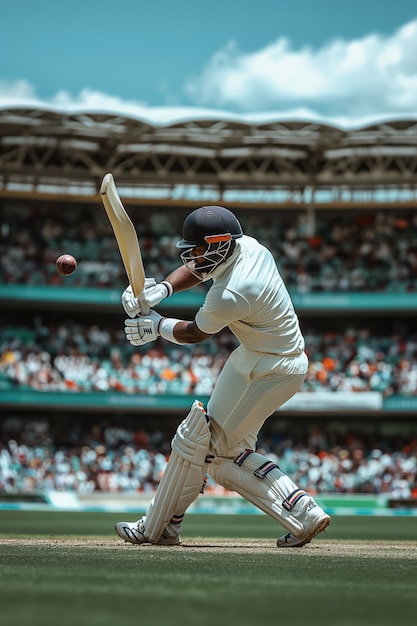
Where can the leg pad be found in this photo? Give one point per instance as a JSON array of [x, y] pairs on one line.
[[261, 482], [184, 474]]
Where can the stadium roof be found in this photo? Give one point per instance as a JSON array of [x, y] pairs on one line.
[[289, 161]]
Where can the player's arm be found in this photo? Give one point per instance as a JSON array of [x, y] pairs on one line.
[[213, 316], [147, 328], [181, 278], [218, 311], [187, 332]]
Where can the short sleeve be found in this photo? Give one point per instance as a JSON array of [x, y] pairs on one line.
[[221, 308]]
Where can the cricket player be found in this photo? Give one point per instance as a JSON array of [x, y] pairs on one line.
[[248, 296]]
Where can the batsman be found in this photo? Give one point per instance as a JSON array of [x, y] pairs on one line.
[[247, 295]]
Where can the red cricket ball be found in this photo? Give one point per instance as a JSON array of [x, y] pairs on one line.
[[66, 264]]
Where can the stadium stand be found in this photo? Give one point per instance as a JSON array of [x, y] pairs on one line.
[[366, 251], [75, 357], [350, 266]]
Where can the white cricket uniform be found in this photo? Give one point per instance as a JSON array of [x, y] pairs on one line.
[[269, 366]]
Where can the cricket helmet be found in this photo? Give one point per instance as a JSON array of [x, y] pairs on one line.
[[213, 227]]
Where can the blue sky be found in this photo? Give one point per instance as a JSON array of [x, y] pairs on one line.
[[163, 60]]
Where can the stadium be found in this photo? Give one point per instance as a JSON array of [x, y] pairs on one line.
[[87, 420]]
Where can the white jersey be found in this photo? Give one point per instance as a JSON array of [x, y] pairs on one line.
[[249, 296]]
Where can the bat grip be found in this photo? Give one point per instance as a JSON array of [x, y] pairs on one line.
[[143, 307]]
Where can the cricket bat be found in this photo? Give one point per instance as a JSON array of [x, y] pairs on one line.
[[126, 236]]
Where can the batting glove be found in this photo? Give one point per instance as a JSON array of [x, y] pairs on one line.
[[143, 329], [152, 295]]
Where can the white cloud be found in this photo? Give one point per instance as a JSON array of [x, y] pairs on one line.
[[344, 82], [18, 94], [373, 75], [21, 93], [18, 91]]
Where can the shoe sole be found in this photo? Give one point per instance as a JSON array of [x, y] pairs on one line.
[[321, 526]]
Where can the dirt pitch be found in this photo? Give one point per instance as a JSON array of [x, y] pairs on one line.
[[340, 549]]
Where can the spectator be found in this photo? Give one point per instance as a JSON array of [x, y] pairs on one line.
[[120, 459]]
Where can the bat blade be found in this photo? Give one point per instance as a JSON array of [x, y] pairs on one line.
[[125, 234]]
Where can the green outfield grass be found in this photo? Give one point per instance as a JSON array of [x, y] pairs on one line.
[[70, 569], [57, 523], [97, 524]]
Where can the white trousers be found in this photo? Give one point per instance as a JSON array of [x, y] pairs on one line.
[[250, 387]]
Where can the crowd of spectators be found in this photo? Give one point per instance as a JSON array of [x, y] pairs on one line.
[[373, 251], [76, 357], [70, 356], [37, 456], [349, 467], [333, 251]]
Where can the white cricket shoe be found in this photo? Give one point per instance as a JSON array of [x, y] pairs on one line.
[[314, 521], [134, 533], [131, 532]]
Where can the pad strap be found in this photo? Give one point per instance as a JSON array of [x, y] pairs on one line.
[[293, 498]]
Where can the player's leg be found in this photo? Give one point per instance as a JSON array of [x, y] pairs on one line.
[[262, 483], [181, 483], [151, 528], [250, 388]]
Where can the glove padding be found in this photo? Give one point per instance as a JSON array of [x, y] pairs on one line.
[[152, 295], [143, 329]]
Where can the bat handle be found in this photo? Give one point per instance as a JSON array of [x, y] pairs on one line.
[[143, 307]]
